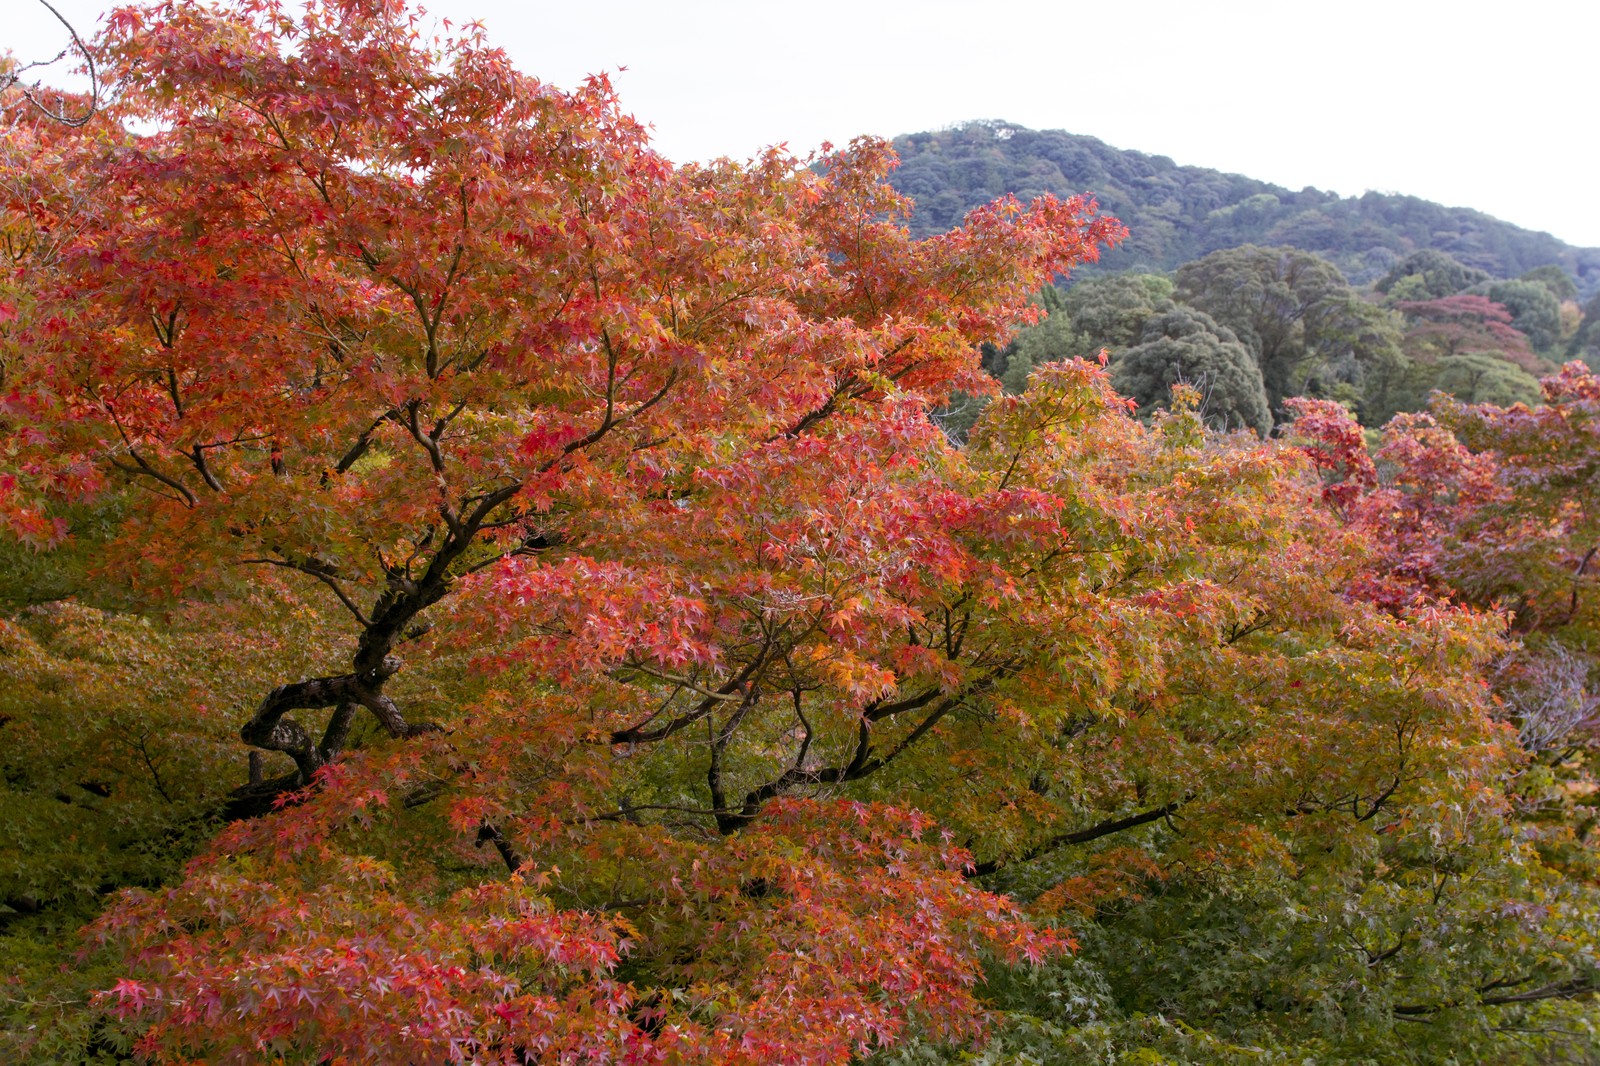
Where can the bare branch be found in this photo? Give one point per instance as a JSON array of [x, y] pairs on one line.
[[31, 93]]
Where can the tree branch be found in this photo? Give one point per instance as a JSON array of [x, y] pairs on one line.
[[271, 729], [1577, 988], [61, 116], [1078, 836]]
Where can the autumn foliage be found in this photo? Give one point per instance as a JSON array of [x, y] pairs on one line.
[[632, 669]]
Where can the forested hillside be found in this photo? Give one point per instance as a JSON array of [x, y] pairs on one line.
[[1175, 214]]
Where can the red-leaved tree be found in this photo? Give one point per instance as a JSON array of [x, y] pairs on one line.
[[382, 311], [1462, 325], [378, 313]]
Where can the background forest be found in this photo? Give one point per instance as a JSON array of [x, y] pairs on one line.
[[1255, 293], [1175, 214], [474, 591]]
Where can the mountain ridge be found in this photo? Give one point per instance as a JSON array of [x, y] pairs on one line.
[[1177, 213]]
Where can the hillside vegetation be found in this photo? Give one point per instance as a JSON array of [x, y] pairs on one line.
[[1253, 328], [1179, 213]]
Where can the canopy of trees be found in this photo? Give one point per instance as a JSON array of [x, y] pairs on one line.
[[1308, 333], [475, 592], [1184, 347], [1428, 275], [1294, 310], [1585, 342]]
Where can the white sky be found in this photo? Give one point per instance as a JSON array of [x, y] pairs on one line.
[[1458, 101]]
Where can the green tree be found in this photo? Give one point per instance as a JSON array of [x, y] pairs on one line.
[[1585, 343], [1293, 310], [1558, 281], [1110, 312], [1478, 377], [1048, 341], [1187, 347], [1535, 311], [1428, 275], [1360, 355], [1105, 312]]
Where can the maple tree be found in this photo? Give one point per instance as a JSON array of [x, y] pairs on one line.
[[383, 313], [1493, 506], [120, 746], [481, 307], [1481, 502], [742, 718], [1460, 325]]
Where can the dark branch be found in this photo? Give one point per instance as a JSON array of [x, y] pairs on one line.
[[488, 834], [1078, 836], [1577, 988], [641, 734], [61, 116], [271, 728]]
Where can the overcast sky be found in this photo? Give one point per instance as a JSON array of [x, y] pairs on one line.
[[1468, 104]]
